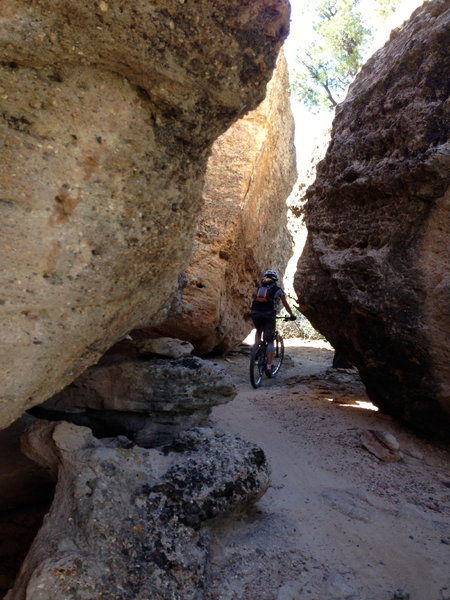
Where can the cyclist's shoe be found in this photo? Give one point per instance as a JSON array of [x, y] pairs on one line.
[[269, 372]]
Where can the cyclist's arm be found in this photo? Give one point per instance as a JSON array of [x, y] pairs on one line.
[[286, 305]]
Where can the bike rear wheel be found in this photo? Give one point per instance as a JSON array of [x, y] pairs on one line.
[[278, 353], [257, 365]]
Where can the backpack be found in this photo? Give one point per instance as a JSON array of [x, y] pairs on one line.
[[262, 294], [264, 297]]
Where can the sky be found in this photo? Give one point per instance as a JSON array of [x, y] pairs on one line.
[[309, 126]]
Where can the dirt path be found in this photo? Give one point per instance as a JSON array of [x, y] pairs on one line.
[[336, 522]]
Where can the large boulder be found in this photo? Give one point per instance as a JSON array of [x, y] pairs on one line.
[[374, 277], [108, 113], [149, 401], [128, 523], [243, 225]]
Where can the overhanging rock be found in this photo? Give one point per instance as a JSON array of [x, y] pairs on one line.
[[108, 113]]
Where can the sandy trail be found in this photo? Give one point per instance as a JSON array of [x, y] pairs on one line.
[[336, 522]]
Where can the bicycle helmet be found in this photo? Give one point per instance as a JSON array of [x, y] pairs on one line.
[[271, 274]]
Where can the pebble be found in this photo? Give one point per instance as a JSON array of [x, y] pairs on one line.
[[400, 595], [387, 439], [291, 590], [414, 453], [337, 587]]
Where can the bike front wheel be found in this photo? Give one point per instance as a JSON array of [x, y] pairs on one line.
[[278, 354], [257, 366]]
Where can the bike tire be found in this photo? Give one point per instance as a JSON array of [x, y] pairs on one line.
[[256, 366], [278, 354]]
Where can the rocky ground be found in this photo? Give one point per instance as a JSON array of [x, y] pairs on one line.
[[337, 522]]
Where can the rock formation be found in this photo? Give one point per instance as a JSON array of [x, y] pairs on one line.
[[374, 277], [128, 523], [109, 110], [243, 225], [165, 346], [149, 401]]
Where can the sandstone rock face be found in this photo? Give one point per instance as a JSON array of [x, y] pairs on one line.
[[375, 274], [127, 523], [108, 113], [149, 401], [243, 225]]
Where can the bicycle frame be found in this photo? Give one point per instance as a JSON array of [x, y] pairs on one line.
[[258, 359]]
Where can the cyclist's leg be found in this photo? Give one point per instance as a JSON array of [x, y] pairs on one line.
[[259, 325], [269, 336], [278, 354]]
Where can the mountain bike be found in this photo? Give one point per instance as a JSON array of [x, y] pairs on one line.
[[258, 358]]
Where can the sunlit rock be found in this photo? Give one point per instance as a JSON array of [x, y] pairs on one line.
[[108, 113], [243, 225]]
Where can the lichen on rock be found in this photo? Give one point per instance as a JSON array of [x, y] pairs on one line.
[[130, 523], [148, 400]]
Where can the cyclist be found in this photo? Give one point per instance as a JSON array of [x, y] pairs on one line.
[[264, 310]]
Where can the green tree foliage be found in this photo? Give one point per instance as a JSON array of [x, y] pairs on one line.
[[327, 65], [386, 7]]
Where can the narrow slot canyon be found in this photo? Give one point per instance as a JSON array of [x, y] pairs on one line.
[[150, 178]]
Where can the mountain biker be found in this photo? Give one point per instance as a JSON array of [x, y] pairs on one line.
[[264, 310]]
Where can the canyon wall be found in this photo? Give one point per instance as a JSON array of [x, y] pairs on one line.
[[243, 225], [108, 113], [374, 277]]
